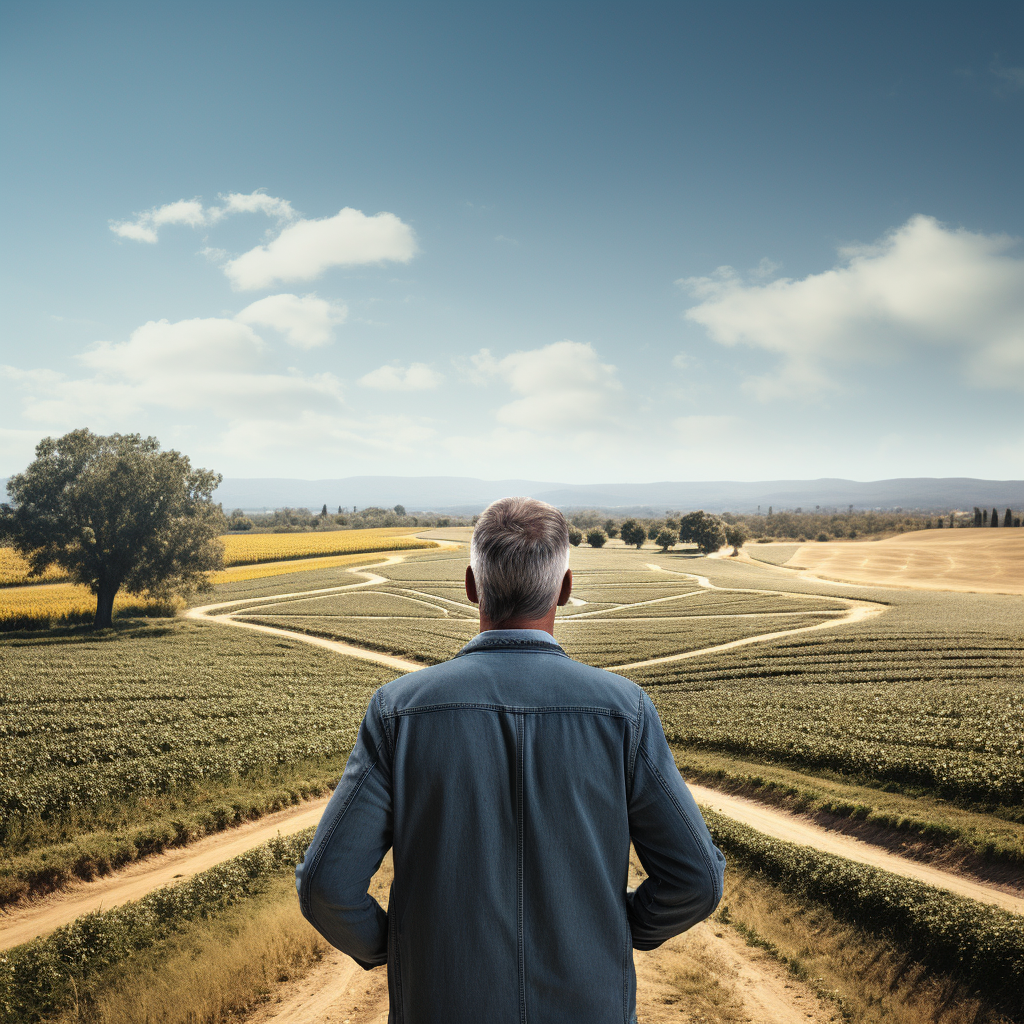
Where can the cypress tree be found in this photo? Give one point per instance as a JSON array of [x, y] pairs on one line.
[[994, 521], [1008, 518], [977, 516], [984, 518]]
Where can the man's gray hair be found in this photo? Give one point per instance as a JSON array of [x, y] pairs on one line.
[[519, 555]]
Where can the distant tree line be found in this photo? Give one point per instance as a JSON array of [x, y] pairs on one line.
[[304, 520], [797, 525]]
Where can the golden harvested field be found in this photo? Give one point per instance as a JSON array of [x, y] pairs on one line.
[[980, 560], [250, 549]]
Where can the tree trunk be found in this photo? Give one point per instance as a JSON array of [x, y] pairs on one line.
[[105, 605]]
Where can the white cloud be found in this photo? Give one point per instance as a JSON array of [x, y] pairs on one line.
[[922, 286], [253, 202], [307, 248], [563, 385], [201, 365], [415, 377], [191, 213], [305, 321]]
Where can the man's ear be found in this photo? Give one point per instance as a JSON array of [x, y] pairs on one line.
[[563, 594], [471, 586]]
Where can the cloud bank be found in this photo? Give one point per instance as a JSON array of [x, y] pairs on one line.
[[415, 377], [922, 287]]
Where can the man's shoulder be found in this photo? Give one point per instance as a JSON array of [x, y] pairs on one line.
[[513, 679]]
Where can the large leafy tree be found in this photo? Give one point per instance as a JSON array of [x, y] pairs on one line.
[[633, 532], [116, 513], [704, 530]]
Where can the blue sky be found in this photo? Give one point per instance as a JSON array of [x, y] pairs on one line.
[[579, 242]]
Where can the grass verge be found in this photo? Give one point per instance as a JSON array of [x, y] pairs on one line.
[[166, 823], [922, 827], [66, 970], [979, 947], [865, 977]]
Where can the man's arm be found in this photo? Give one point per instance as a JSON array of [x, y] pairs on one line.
[[350, 842], [685, 869]]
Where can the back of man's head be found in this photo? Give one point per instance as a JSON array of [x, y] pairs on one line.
[[519, 554]]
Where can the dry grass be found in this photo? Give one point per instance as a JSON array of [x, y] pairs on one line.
[[219, 969], [868, 980], [212, 970]]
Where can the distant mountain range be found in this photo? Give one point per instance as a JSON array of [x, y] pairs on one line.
[[456, 494]]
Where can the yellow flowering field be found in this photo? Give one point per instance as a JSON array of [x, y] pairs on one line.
[[61, 604], [250, 549], [14, 569], [260, 571], [253, 549]]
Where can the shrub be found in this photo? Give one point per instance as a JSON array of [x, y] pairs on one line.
[[575, 536], [596, 538], [823, 537]]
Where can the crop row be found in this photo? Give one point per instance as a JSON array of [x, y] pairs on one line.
[[595, 641], [427, 640], [53, 974], [978, 944], [87, 722], [367, 602], [936, 712]]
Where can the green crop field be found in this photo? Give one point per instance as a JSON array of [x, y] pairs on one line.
[[155, 733]]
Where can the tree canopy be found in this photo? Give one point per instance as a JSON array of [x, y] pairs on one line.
[[666, 538], [703, 529], [632, 532], [116, 513]]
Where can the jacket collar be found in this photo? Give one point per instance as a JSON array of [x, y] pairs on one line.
[[513, 640]]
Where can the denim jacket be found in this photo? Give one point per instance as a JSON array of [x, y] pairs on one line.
[[509, 782]]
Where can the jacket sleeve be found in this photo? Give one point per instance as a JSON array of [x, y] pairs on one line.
[[351, 840], [685, 869]]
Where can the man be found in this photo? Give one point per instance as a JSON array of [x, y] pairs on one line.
[[509, 782]]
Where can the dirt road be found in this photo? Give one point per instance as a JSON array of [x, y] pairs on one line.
[[23, 922], [38, 918], [794, 829], [755, 988]]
